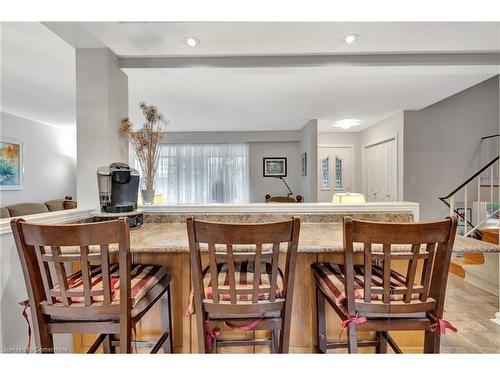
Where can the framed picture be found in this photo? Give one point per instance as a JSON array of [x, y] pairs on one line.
[[274, 167], [11, 164], [303, 164]]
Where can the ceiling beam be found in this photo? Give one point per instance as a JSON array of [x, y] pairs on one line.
[[427, 59]]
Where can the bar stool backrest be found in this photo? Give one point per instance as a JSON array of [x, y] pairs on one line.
[[424, 246], [262, 245], [53, 293]]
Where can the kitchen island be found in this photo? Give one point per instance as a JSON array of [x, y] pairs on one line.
[[159, 238], [163, 240]]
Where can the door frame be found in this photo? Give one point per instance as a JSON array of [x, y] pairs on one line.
[[364, 168], [337, 145]]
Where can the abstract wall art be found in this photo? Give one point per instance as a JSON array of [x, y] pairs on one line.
[[11, 164]]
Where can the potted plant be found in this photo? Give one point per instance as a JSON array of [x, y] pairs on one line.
[[145, 143]]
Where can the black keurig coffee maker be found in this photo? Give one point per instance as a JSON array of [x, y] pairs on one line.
[[118, 191], [118, 188]]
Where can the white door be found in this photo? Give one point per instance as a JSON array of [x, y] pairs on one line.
[[334, 171], [381, 171]]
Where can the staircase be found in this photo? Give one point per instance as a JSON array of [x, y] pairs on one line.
[[476, 204]]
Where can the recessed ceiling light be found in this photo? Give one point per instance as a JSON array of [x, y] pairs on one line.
[[350, 38], [191, 41], [347, 123]]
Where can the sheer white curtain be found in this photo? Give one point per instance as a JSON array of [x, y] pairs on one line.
[[203, 173]]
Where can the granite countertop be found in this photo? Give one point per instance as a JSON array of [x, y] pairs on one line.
[[314, 237]]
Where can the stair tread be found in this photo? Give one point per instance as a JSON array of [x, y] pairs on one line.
[[456, 267]]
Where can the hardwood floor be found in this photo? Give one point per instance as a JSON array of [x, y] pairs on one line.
[[470, 309]]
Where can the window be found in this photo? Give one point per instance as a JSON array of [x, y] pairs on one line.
[[338, 174], [202, 173], [325, 174], [492, 210]]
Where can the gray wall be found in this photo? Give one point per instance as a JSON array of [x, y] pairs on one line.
[[441, 144], [236, 136], [49, 160], [259, 185]]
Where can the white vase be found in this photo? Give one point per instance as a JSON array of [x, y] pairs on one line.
[[148, 196]]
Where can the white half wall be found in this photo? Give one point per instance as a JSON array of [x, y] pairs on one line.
[[49, 160]]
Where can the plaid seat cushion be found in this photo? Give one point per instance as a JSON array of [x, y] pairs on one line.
[[331, 277], [143, 278], [244, 275]]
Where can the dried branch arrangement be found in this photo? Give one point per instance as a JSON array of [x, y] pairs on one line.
[[145, 141]]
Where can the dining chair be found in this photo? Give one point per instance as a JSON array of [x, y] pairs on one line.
[[103, 297], [243, 289], [283, 199], [373, 296]]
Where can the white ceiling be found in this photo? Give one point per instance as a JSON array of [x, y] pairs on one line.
[[239, 99], [37, 74], [38, 71], [277, 38]]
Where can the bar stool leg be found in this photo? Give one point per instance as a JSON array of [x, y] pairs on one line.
[[202, 347], [275, 334], [352, 338], [45, 339], [320, 321], [284, 340], [125, 336], [107, 345], [432, 342], [382, 343], [168, 346]]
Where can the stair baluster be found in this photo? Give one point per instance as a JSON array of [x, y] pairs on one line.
[[492, 171]]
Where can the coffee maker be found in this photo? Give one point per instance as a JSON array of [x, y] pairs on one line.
[[118, 192]]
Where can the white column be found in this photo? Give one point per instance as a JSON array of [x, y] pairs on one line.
[[101, 104], [309, 145]]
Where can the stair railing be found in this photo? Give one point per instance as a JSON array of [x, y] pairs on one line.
[[489, 171], [489, 148], [449, 200]]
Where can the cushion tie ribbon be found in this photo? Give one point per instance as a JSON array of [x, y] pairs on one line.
[[26, 306], [353, 319], [440, 325], [190, 307], [210, 335], [247, 327]]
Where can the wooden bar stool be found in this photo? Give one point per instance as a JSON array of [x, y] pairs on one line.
[[374, 297], [243, 288], [102, 297]]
